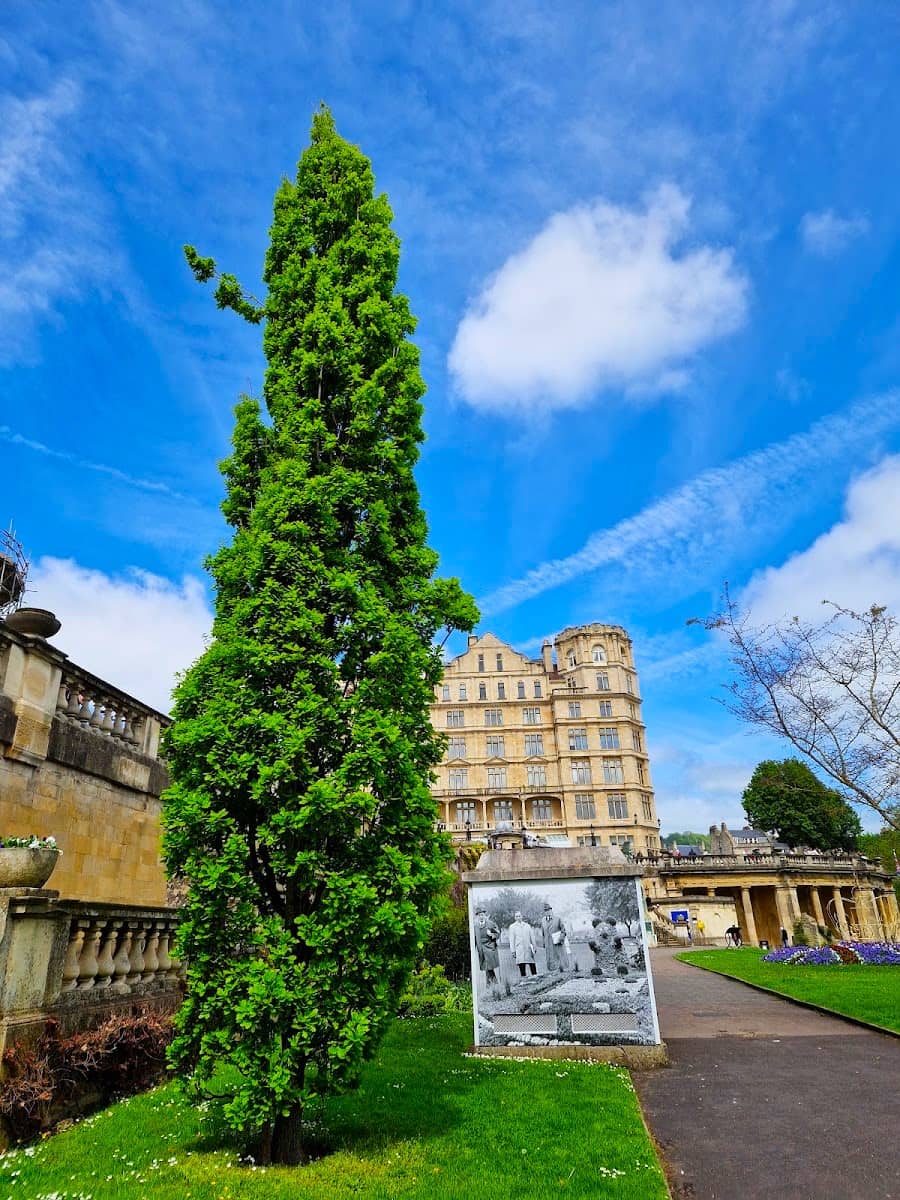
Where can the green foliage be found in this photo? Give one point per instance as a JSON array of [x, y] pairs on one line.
[[429, 993], [301, 751], [884, 845], [788, 798], [686, 839], [448, 943]]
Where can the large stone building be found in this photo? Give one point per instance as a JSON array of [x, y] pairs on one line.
[[555, 744]]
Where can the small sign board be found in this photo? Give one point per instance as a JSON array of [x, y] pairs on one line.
[[679, 916]]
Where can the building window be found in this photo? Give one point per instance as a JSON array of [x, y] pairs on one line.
[[612, 770], [636, 739], [536, 774], [609, 739], [462, 691], [499, 662], [520, 690], [578, 739], [598, 654], [602, 682], [503, 813], [493, 716], [495, 746], [459, 779], [537, 689], [629, 683], [445, 692], [621, 840], [632, 710], [455, 718], [501, 690], [482, 691], [480, 662], [572, 659], [541, 810], [465, 812], [581, 771], [605, 707], [496, 778], [642, 777], [574, 708], [623, 651], [618, 806], [534, 744], [647, 807], [531, 716], [585, 809], [456, 747]]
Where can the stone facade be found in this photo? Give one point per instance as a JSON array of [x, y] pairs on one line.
[[555, 744], [79, 761]]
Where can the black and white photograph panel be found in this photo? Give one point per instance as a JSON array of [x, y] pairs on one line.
[[560, 963]]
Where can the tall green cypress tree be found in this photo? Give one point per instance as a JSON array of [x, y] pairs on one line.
[[301, 749]]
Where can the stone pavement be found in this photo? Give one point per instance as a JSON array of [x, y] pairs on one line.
[[765, 1099]]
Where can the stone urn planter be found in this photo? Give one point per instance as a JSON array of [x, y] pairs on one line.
[[22, 866], [38, 622]]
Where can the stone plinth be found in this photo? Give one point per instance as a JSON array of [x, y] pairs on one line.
[[560, 961]]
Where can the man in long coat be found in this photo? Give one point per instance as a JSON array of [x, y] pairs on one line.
[[521, 945], [487, 935], [554, 932]]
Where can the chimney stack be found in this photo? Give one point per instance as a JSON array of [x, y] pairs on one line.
[[547, 657]]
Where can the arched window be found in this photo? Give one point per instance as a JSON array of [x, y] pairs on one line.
[[598, 654]]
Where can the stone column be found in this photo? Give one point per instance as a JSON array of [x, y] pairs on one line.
[[787, 906], [874, 915], [839, 910], [893, 911], [817, 908], [748, 915]]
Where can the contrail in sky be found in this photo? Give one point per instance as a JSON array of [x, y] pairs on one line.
[[698, 523], [135, 481]]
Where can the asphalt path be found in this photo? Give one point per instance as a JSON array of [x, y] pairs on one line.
[[766, 1099]]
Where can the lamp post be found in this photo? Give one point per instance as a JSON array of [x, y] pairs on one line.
[[593, 837]]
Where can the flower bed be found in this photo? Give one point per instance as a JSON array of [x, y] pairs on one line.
[[871, 954]]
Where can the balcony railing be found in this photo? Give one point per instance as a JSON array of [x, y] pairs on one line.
[[527, 790]]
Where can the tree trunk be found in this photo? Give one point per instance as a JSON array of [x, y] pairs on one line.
[[287, 1139]]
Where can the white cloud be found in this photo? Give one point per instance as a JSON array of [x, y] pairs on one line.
[[699, 777], [826, 233], [855, 564], [136, 630], [598, 299], [698, 526]]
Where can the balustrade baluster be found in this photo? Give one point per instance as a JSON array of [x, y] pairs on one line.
[[162, 951], [136, 956], [96, 720], [122, 962], [73, 953], [151, 959], [74, 705], [87, 963], [109, 718], [85, 710], [106, 966], [62, 698]]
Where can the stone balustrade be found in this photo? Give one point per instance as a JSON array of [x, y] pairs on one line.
[[78, 962], [124, 950], [90, 703]]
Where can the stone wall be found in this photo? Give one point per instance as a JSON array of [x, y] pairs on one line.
[[79, 761]]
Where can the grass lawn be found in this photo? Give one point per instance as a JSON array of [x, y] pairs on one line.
[[426, 1122], [868, 993]]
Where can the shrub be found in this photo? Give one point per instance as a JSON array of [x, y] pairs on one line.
[[430, 993], [61, 1075], [448, 943], [800, 935]]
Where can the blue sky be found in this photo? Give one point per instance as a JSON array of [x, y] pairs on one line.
[[653, 249]]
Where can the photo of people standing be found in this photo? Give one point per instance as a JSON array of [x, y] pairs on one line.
[[573, 945]]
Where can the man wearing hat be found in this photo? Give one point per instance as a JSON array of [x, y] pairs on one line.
[[487, 935], [554, 932]]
